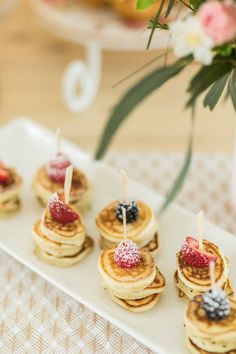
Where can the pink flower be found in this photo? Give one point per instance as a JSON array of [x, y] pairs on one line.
[[218, 20]]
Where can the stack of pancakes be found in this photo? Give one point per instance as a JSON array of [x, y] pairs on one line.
[[142, 231], [9, 192], [136, 289], [191, 280], [80, 195], [206, 336], [60, 244]]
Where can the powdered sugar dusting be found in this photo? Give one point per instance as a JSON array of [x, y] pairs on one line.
[[60, 211], [56, 168], [194, 256], [127, 254]]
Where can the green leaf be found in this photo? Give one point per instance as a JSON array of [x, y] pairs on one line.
[[179, 180], [144, 4], [215, 92], [195, 4], [232, 88], [169, 8], [134, 97], [205, 78]]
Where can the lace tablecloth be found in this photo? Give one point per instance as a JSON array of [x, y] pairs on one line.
[[36, 317]]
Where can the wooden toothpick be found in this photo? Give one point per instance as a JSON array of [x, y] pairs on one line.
[[58, 140], [200, 220], [67, 184], [212, 274], [124, 185], [124, 223]]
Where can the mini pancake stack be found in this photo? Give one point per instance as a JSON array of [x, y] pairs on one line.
[[60, 237], [210, 321], [10, 188], [192, 276], [130, 277], [50, 178], [141, 225]]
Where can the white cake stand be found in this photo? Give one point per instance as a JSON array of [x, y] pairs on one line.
[[97, 29]]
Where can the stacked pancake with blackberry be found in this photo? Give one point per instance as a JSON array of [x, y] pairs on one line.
[[210, 321], [192, 276], [60, 236], [10, 188], [141, 223], [50, 178], [130, 276]]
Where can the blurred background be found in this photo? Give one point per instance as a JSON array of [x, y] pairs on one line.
[[32, 63]]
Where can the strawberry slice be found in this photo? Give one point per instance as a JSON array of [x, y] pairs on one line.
[[194, 256], [4, 174], [60, 211]]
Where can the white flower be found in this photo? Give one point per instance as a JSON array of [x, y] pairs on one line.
[[188, 38]]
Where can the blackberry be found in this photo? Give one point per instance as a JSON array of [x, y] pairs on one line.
[[132, 211], [216, 304]]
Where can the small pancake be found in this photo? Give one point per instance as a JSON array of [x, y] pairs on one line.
[[66, 231], [140, 231], [156, 287], [152, 246], [11, 189], [140, 305], [197, 320], [80, 194], [68, 260], [133, 279], [58, 249], [194, 349], [10, 206], [188, 293], [206, 335], [199, 278]]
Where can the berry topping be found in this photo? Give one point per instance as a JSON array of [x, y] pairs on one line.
[[127, 254], [132, 211], [216, 304], [4, 174], [56, 168], [60, 211], [194, 256]]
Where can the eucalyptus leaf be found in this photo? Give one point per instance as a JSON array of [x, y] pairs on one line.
[[169, 7], [179, 180], [134, 96], [232, 88], [205, 78], [215, 92], [144, 4]]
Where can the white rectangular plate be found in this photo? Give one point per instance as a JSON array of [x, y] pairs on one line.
[[26, 146]]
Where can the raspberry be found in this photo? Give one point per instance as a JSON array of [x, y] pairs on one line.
[[56, 168], [127, 254], [194, 256], [60, 211]]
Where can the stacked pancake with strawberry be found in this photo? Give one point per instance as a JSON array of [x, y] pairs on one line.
[[210, 321], [60, 237], [51, 177], [10, 188], [192, 276]]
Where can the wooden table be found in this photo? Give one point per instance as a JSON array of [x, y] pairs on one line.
[[32, 62]]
